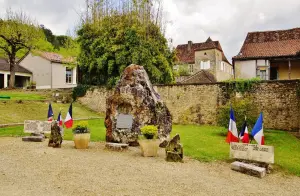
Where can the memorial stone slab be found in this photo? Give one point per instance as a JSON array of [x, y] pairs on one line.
[[124, 121], [37, 127], [252, 152]]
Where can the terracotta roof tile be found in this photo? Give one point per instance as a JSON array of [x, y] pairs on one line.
[[188, 56], [56, 58], [270, 44], [201, 76]]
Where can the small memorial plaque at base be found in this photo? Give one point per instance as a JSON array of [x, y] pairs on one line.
[[252, 152], [124, 121]]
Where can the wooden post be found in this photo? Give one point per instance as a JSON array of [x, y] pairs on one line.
[[290, 69]]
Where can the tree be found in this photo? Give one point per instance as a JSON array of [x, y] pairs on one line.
[[18, 34], [120, 36]]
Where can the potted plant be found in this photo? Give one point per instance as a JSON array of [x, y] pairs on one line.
[[81, 135], [148, 141]]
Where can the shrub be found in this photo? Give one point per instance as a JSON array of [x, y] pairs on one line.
[[183, 71], [242, 107], [79, 91], [241, 85], [149, 131], [80, 127]]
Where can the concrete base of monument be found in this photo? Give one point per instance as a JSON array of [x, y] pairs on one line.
[[116, 146], [33, 139], [249, 169]]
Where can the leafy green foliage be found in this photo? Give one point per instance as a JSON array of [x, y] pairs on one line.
[[79, 91], [183, 71], [241, 85], [149, 131], [18, 34], [242, 108], [117, 41], [80, 127]]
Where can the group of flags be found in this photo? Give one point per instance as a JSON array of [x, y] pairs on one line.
[[68, 121], [257, 131]]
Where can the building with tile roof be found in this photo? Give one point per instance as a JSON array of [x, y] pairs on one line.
[[22, 75], [270, 55], [47, 69], [208, 56]]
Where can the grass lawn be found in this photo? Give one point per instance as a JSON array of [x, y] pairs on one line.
[[206, 143], [24, 95], [11, 112]]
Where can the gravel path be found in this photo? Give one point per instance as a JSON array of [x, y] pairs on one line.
[[35, 169]]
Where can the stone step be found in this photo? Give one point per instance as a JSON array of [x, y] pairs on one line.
[[248, 169], [33, 139], [116, 146]]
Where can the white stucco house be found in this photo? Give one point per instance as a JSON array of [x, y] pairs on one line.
[[48, 70]]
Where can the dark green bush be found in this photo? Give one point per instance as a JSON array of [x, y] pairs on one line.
[[79, 91], [242, 107]]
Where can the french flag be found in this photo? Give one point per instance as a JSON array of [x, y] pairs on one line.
[[244, 135], [69, 119], [59, 120], [50, 113], [232, 135], [258, 132]]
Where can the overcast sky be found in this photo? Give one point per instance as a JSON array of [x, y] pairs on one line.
[[225, 20]]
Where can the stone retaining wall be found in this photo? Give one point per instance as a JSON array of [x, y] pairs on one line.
[[198, 103]]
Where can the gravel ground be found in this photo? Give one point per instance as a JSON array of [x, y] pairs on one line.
[[35, 169]]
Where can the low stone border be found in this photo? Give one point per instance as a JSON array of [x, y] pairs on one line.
[[19, 124]]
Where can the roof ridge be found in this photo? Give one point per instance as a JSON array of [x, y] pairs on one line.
[[274, 30]]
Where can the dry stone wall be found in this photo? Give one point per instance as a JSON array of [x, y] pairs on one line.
[[198, 103]]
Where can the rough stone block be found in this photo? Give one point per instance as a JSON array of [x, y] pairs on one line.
[[248, 169], [33, 139], [116, 146]]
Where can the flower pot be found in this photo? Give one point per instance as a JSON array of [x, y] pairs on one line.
[[149, 148], [82, 140]]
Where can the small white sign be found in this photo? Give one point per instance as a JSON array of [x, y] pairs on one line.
[[252, 152]]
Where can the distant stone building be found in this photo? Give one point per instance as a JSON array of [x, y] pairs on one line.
[[269, 55], [207, 57]]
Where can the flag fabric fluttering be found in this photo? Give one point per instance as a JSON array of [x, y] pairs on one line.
[[244, 135], [59, 120], [258, 132], [232, 135], [50, 113], [69, 119]]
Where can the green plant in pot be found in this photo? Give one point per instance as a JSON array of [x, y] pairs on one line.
[[148, 141], [81, 135]]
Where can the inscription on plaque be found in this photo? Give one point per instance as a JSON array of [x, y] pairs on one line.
[[252, 152], [124, 121]]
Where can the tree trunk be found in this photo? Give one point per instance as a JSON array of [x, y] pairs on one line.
[[12, 64]]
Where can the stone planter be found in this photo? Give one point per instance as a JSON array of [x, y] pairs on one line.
[[82, 140], [149, 148]]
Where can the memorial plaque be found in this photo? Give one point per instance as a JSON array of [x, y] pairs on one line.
[[124, 121], [35, 126], [252, 152]]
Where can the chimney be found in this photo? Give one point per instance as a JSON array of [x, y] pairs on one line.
[[190, 44]]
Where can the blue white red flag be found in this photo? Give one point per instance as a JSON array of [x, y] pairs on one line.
[[69, 119], [50, 113], [232, 135], [244, 135], [258, 132], [59, 120]]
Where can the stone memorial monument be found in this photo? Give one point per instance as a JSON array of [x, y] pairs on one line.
[[174, 150], [55, 139], [135, 103]]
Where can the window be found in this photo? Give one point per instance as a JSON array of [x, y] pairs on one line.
[[262, 74], [69, 74], [191, 68], [222, 66], [205, 65]]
